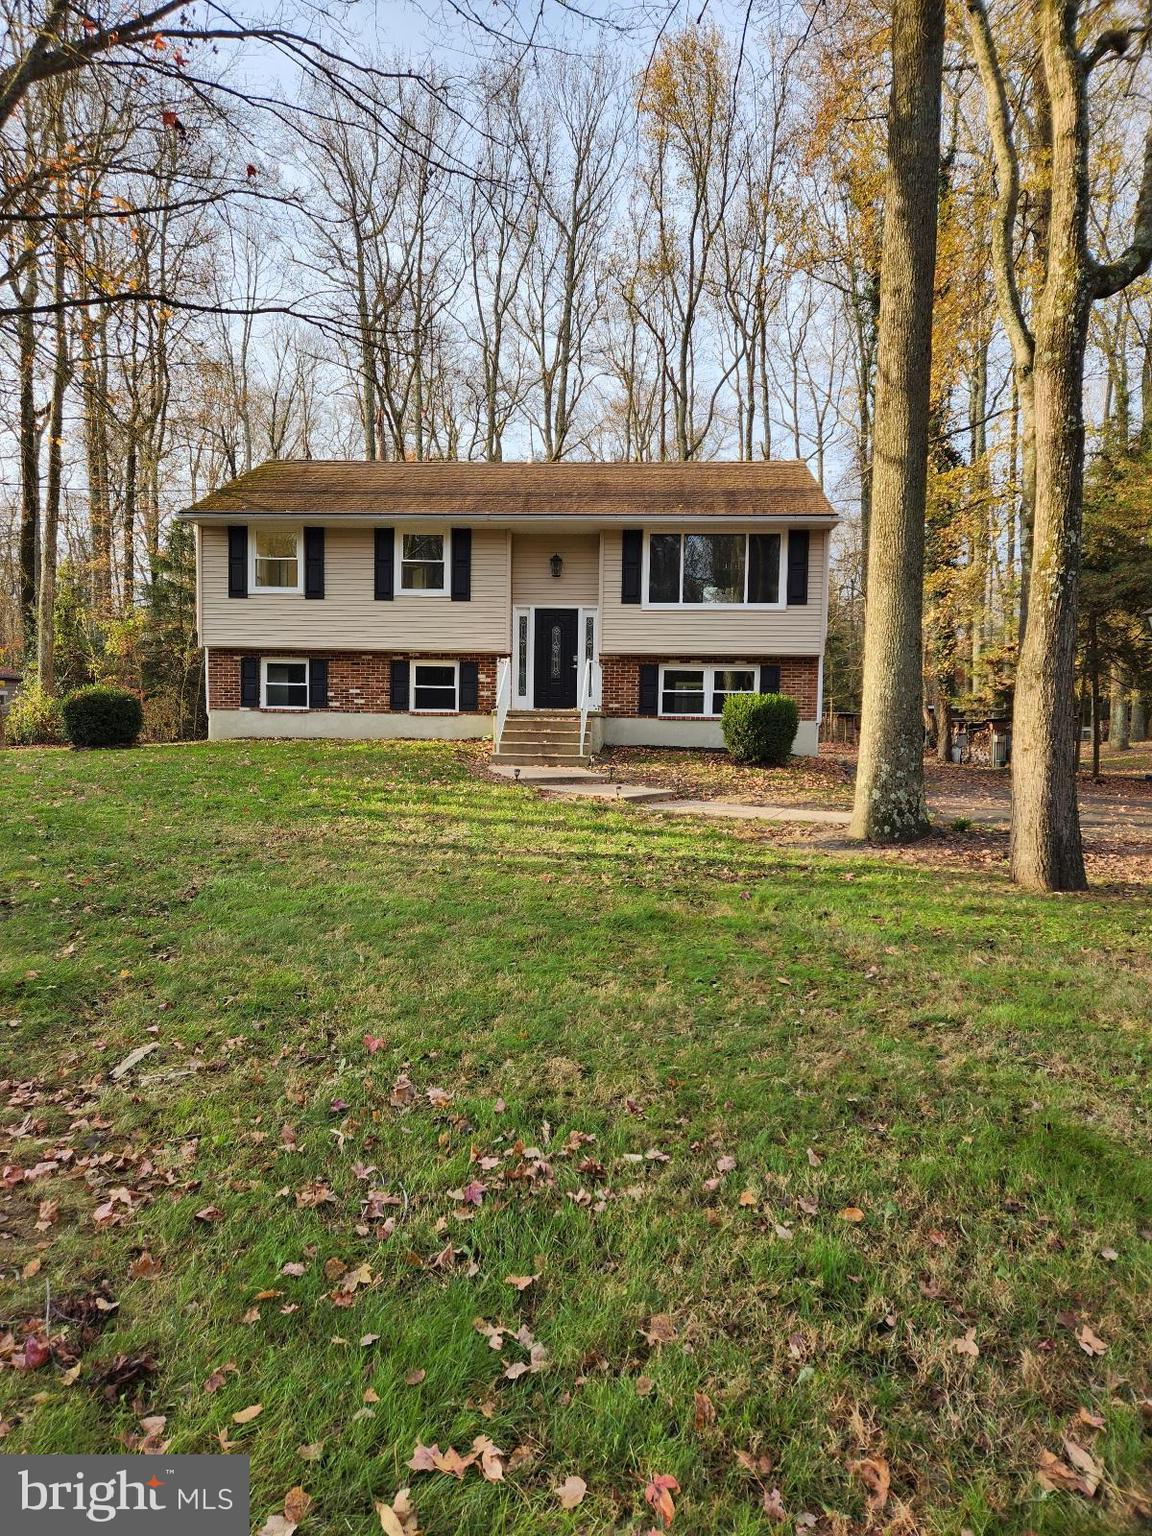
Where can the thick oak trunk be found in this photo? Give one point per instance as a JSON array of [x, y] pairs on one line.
[[890, 804]]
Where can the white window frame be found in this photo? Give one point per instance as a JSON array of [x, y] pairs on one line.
[[446, 589], [745, 606], [294, 661], [709, 669], [433, 661], [297, 532]]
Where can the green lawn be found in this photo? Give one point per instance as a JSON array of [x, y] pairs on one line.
[[869, 1142]]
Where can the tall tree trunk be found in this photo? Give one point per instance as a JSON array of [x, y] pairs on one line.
[[1047, 851], [29, 467], [1118, 739], [1139, 727], [61, 373], [890, 802]]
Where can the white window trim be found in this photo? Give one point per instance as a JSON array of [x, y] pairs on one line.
[[295, 661], [433, 661], [744, 607], [709, 669], [527, 699], [297, 530], [400, 589]]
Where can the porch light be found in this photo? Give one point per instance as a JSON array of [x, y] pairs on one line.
[[557, 564]]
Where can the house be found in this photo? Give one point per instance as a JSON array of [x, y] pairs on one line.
[[363, 600], [9, 682]]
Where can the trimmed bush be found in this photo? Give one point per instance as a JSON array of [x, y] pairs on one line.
[[760, 727], [102, 717], [33, 718]]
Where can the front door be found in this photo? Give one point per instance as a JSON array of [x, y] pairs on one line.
[[556, 641]]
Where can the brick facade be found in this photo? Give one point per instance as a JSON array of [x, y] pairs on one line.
[[359, 682], [799, 677]]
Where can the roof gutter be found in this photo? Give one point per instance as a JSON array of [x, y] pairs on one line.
[[574, 520]]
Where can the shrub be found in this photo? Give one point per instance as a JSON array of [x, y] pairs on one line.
[[102, 717], [33, 718], [760, 727]]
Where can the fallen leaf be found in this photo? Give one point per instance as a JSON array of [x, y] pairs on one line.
[[644, 1386], [660, 1330], [246, 1415], [704, 1410], [773, 1505], [312, 1452], [399, 1517], [133, 1058], [521, 1282], [414, 1378], [277, 1525], [297, 1503], [873, 1472], [491, 1459], [814, 1160], [571, 1491], [851, 1213], [1091, 1343], [659, 1496], [967, 1345]]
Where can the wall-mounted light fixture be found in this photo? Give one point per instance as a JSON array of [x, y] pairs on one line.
[[557, 564]]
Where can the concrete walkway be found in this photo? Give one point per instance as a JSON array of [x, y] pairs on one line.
[[584, 784], [980, 811]]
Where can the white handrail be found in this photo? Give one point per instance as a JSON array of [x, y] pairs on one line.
[[503, 699], [584, 700]]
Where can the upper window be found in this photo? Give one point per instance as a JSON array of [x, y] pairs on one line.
[[285, 684], [422, 562], [275, 559], [434, 687], [714, 569]]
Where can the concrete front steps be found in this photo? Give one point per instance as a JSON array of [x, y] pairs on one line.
[[546, 737]]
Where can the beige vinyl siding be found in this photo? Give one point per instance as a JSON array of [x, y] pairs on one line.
[[348, 617], [532, 581], [631, 629]]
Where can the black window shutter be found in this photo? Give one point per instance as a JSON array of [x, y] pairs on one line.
[[769, 679], [398, 691], [238, 561], [798, 539], [250, 682], [313, 562], [385, 562], [318, 682], [461, 565], [649, 689], [469, 686], [631, 564]]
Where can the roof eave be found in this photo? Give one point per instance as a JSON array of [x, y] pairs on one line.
[[827, 519]]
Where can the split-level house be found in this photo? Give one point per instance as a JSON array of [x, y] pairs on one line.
[[366, 600]]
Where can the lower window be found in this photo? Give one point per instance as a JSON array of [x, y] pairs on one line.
[[434, 687], [285, 684], [702, 690]]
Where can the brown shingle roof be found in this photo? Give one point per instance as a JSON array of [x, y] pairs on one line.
[[347, 487]]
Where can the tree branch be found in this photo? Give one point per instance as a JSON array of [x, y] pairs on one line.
[[1007, 186], [1108, 278]]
